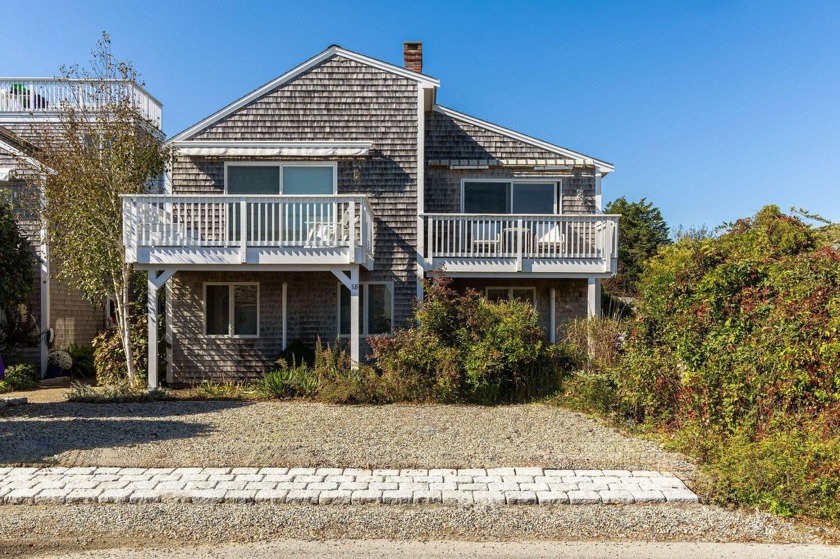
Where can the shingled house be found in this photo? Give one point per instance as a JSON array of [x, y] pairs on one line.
[[29, 109], [315, 205]]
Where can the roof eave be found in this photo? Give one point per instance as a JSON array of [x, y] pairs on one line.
[[603, 166]]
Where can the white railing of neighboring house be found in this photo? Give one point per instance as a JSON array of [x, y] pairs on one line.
[[49, 95], [173, 221], [479, 236]]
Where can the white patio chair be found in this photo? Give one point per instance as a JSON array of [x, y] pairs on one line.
[[550, 241], [486, 237]]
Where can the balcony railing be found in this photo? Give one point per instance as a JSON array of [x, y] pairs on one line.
[[49, 95], [464, 243], [197, 229]]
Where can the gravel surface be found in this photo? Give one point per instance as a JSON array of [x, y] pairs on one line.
[[262, 434], [48, 528], [341, 549]]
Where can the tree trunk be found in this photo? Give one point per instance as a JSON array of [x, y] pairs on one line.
[[124, 323]]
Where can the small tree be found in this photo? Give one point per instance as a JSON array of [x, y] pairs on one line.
[[101, 147], [16, 256], [641, 233]]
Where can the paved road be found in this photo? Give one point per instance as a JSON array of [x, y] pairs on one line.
[[486, 550]]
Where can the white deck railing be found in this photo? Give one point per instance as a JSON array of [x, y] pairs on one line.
[[173, 221], [521, 237], [49, 95]]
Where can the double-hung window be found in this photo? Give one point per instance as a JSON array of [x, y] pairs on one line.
[[232, 309], [376, 308]]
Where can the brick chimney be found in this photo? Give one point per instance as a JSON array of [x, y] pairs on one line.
[[413, 57]]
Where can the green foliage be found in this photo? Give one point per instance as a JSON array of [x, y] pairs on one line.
[[17, 257], [297, 352], [5, 387], [225, 390], [641, 233], [735, 352], [118, 393], [109, 355], [466, 348], [83, 362], [23, 376], [17, 331], [289, 381]]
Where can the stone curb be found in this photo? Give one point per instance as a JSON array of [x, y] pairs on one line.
[[494, 486]]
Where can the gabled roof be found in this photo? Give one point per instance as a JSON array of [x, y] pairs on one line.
[[15, 145], [604, 166], [334, 50]]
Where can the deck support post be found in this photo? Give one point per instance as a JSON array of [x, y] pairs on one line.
[[593, 298], [154, 282], [354, 317], [352, 284]]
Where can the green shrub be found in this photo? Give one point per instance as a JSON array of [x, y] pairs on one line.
[[595, 342], [289, 381], [83, 365], [734, 355], [466, 348], [5, 387], [226, 390], [23, 376], [297, 352], [109, 356], [120, 392]]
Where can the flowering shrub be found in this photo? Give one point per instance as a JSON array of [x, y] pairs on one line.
[[61, 359]]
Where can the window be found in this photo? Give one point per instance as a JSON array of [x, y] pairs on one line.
[[506, 197], [253, 179], [525, 294], [232, 309], [280, 178], [376, 308]]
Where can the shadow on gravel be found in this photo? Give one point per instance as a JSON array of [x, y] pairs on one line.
[[71, 410], [36, 432], [35, 441]]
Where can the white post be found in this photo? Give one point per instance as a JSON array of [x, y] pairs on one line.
[[44, 269], [520, 237], [243, 231], [352, 212], [153, 338], [354, 317], [593, 298], [552, 318], [284, 291]]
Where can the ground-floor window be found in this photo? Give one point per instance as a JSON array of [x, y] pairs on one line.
[[376, 308], [232, 309], [526, 294]]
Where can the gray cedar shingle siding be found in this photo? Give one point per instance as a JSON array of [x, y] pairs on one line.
[[450, 138], [339, 99]]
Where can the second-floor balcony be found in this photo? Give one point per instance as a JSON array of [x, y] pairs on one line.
[[189, 231], [488, 244], [27, 97]]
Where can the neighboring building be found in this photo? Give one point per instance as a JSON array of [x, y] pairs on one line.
[[315, 205], [28, 108]]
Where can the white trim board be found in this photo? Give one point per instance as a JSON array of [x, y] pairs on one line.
[[21, 155], [272, 149], [334, 50], [604, 166]]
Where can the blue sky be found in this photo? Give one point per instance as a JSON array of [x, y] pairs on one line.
[[710, 109]]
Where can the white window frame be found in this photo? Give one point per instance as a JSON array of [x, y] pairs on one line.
[[557, 204], [231, 309], [363, 285], [280, 165], [510, 289]]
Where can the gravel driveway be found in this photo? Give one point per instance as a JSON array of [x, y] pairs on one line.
[[214, 433]]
